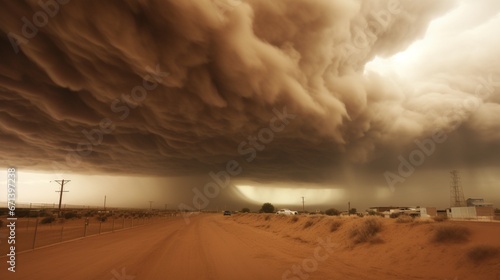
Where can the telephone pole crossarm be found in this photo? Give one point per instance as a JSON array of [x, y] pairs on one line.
[[61, 183]]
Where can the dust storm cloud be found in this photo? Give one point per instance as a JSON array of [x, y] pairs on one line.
[[176, 88]]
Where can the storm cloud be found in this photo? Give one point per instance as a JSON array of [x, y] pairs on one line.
[[176, 88]]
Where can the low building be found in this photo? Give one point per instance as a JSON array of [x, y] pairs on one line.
[[381, 209], [471, 213], [479, 202], [428, 212], [387, 211]]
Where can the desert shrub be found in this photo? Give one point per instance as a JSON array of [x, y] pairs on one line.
[[267, 218], [421, 221], [440, 218], [375, 213], [47, 220], [451, 234], [394, 215], [70, 215], [308, 223], [335, 225], [361, 215], [245, 210], [102, 218], [294, 219], [366, 231], [43, 213], [90, 213], [404, 219], [22, 213], [332, 212], [483, 252]]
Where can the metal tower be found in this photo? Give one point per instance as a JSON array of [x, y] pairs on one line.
[[456, 192]]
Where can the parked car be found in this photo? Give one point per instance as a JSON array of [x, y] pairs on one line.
[[227, 213], [286, 212]]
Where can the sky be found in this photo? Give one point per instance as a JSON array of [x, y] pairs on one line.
[[230, 104]]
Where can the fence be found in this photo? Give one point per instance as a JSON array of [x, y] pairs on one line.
[[34, 232]]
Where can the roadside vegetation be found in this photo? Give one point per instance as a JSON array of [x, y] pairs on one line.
[[335, 225], [267, 208], [366, 231], [440, 218], [402, 219], [481, 253], [309, 223], [47, 220], [332, 212], [451, 234]]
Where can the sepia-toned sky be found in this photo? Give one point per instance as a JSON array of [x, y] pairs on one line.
[[227, 103]]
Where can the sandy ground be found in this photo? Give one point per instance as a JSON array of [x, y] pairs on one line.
[[251, 247]]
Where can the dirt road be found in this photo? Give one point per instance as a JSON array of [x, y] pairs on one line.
[[210, 247]]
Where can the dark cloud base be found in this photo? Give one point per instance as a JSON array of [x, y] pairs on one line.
[[178, 88]]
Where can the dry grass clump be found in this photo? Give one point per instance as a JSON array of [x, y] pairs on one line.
[[440, 218], [294, 219], [483, 252], [421, 221], [404, 219], [309, 223], [451, 234], [367, 231], [267, 218], [335, 225]]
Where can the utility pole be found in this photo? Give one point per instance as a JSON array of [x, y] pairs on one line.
[[150, 205], [104, 203], [349, 208], [61, 182], [303, 207]]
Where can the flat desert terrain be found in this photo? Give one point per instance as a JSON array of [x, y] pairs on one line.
[[260, 246]]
